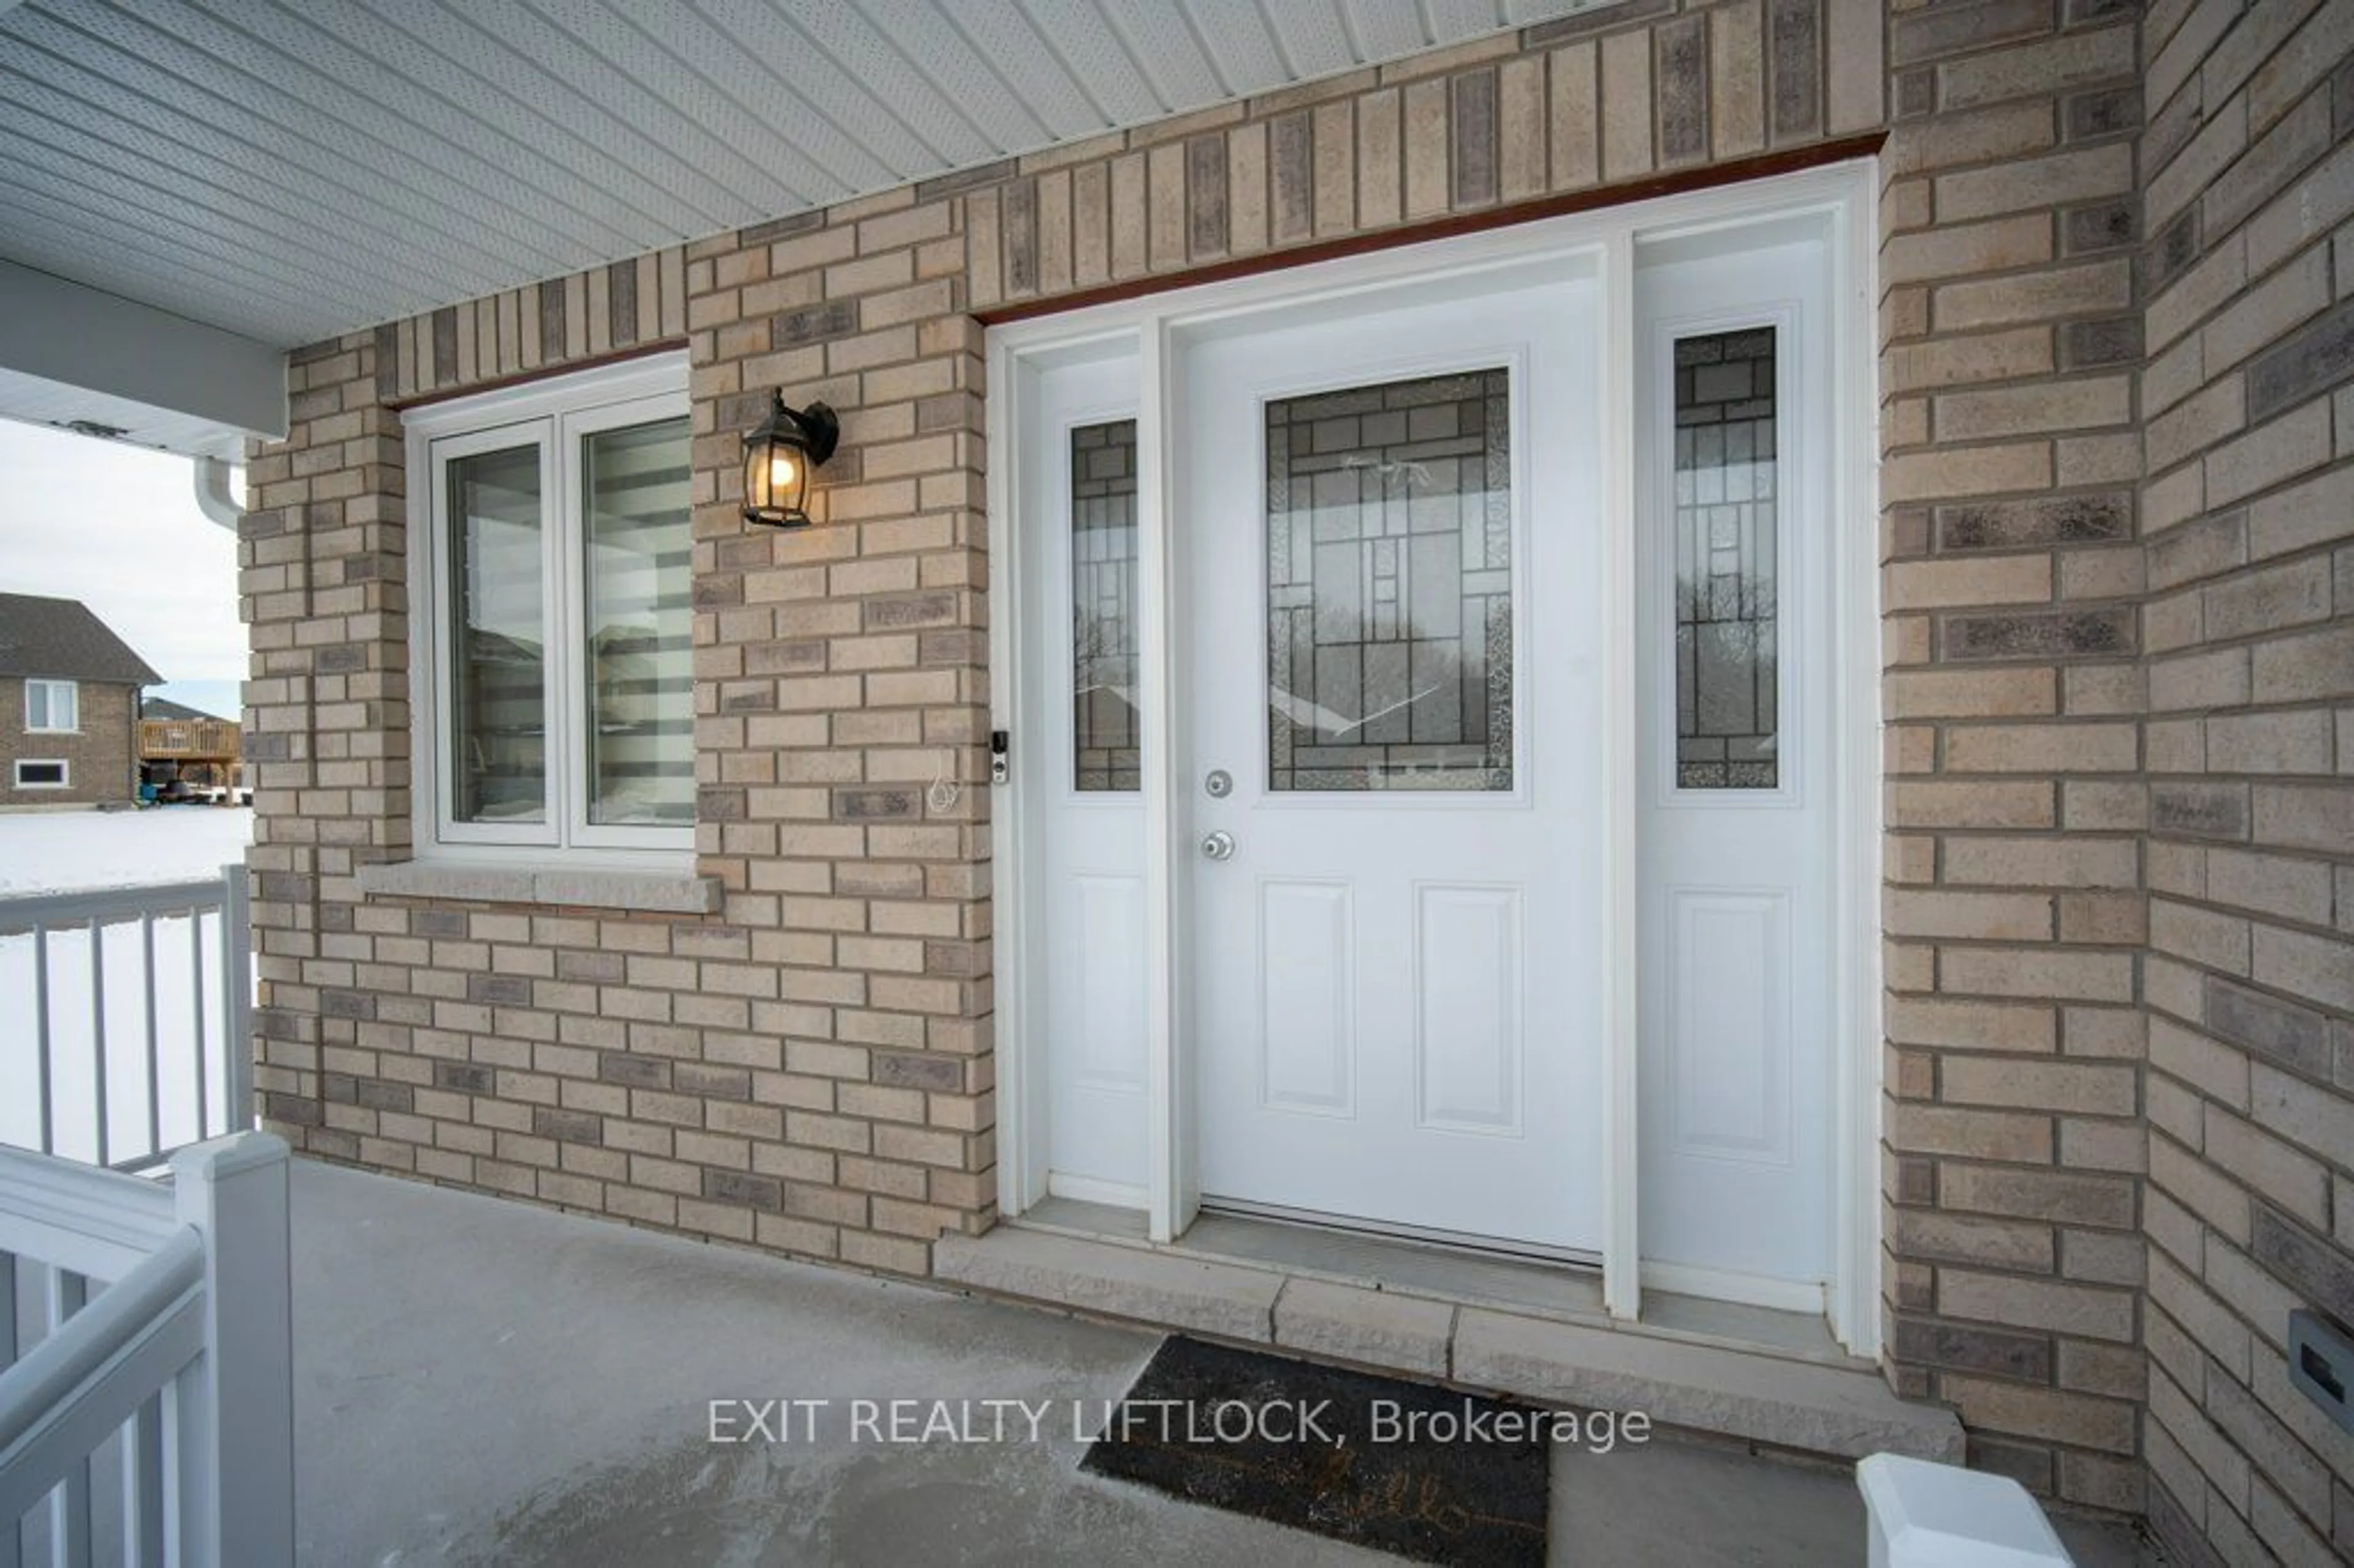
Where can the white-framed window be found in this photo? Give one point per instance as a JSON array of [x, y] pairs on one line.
[[52, 707], [43, 773], [551, 582]]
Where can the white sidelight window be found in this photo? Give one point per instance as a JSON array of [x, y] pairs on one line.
[[551, 649], [52, 707]]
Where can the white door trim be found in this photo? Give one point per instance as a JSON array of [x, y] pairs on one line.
[[1151, 322], [1622, 1274], [1022, 1144], [1172, 1194], [1853, 1299]]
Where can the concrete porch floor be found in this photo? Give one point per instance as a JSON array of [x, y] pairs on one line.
[[478, 1382]]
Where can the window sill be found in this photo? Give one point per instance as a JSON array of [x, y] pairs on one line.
[[651, 892]]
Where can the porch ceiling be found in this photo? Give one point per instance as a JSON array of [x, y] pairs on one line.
[[288, 171]]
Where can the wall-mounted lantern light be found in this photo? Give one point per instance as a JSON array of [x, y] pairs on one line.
[[777, 457]]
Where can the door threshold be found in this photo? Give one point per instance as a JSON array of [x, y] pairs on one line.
[[1454, 1319], [1461, 1242], [1453, 1276]]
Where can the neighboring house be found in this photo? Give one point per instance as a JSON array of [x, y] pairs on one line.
[[69, 706], [1711, 647], [178, 744]]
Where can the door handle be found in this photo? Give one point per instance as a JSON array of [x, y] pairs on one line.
[[1218, 846]]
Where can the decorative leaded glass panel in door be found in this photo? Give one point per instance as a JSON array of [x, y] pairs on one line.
[[1389, 542], [1106, 746], [1727, 619]]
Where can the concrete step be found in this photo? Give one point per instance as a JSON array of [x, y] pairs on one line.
[[1114, 1281], [1762, 1397], [1766, 1398]]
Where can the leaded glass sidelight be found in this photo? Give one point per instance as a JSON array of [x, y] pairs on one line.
[[1103, 608], [1724, 528], [1389, 539]]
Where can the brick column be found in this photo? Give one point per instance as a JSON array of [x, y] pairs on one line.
[[2014, 909], [323, 586]]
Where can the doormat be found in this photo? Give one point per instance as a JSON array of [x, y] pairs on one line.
[[1420, 1472]]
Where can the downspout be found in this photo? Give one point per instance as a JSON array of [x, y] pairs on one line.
[[214, 498], [216, 501]]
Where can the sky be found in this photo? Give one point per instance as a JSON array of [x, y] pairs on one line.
[[117, 527]]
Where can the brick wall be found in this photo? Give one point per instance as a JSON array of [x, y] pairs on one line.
[[2248, 515], [102, 755], [2014, 914], [811, 1069]]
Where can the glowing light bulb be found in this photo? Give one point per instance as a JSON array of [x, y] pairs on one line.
[[780, 472]]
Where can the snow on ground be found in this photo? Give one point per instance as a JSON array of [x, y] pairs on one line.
[[73, 851], [51, 852]]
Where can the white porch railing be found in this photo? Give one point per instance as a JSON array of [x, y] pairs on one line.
[[141, 1003], [148, 1418]]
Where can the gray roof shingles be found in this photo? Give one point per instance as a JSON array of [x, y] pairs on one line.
[[59, 639], [166, 709]]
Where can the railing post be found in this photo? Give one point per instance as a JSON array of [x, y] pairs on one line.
[[43, 1072], [236, 998], [69, 1506], [235, 1406]]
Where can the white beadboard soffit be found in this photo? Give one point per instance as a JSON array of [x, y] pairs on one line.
[[290, 171]]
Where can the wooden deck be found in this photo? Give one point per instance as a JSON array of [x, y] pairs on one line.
[[188, 740]]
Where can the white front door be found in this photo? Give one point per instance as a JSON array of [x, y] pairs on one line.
[[1389, 634]]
